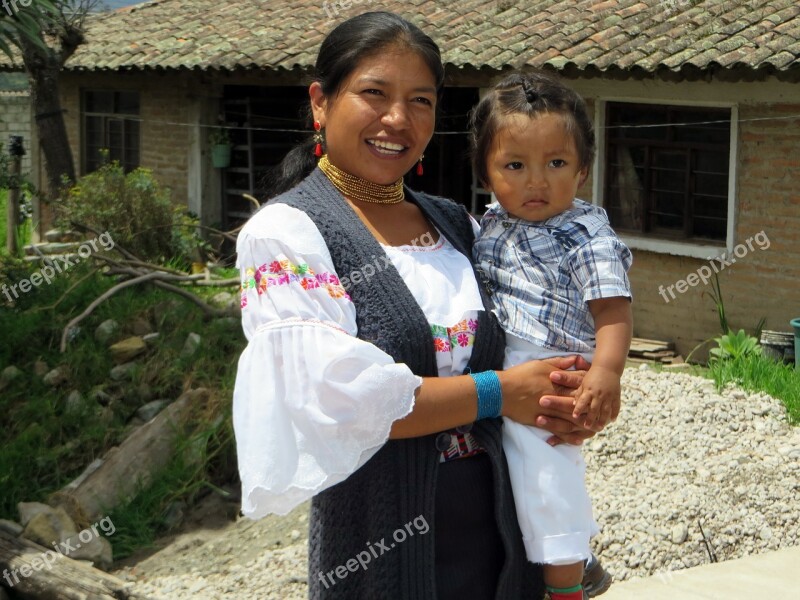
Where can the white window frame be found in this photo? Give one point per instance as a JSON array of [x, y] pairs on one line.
[[641, 242]]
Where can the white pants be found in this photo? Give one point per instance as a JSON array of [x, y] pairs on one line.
[[553, 507]]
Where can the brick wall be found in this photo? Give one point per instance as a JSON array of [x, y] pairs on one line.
[[15, 119], [762, 283], [165, 137]]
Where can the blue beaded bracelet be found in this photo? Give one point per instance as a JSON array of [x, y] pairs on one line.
[[490, 394]]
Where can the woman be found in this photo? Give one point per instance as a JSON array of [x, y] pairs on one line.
[[363, 313]]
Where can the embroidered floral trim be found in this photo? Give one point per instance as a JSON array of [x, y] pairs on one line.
[[285, 272], [461, 334]]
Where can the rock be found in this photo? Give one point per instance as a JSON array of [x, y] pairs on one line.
[[40, 368], [127, 349], [231, 323], [765, 533], [11, 527], [75, 402], [123, 372], [151, 409], [105, 415], [55, 377], [52, 525], [191, 345], [97, 550], [8, 375], [106, 330], [28, 510], [174, 515], [679, 533], [150, 338], [224, 300], [141, 327], [100, 396]]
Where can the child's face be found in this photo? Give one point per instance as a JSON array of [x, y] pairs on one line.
[[533, 166]]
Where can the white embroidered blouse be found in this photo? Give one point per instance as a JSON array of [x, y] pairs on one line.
[[312, 402]]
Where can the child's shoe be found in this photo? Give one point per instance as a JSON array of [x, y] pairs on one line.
[[596, 580]]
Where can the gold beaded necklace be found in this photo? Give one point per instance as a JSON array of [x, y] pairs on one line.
[[357, 188]]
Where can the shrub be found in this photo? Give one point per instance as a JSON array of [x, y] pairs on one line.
[[134, 208]]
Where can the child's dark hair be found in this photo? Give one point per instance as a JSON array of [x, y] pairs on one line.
[[530, 94], [339, 55]]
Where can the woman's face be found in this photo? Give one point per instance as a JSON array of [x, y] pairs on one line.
[[382, 118]]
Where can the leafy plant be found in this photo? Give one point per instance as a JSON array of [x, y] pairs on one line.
[[733, 346], [27, 191], [134, 208], [219, 137], [716, 296]]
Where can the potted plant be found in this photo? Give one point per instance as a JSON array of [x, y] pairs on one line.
[[220, 147], [795, 323]]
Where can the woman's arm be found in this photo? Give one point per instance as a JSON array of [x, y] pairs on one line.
[[535, 393]]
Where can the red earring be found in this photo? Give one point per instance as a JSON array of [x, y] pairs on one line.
[[318, 139], [419, 165]]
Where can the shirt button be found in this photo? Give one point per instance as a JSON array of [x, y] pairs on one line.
[[442, 441], [464, 428], [506, 224]]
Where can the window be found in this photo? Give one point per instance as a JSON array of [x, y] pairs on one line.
[[110, 122], [666, 171]]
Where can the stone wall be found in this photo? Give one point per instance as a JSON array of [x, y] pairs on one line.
[[15, 119]]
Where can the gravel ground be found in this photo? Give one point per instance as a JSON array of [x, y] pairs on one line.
[[685, 474]]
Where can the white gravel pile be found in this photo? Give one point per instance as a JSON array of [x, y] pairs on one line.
[[681, 457]]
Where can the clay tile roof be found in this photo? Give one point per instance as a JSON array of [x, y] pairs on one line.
[[643, 37]]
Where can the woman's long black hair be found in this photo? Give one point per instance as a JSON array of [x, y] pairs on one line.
[[339, 55]]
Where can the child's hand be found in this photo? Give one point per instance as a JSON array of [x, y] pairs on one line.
[[598, 398]]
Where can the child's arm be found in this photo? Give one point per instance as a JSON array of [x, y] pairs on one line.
[[599, 395]]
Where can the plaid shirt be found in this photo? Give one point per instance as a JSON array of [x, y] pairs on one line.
[[542, 274]]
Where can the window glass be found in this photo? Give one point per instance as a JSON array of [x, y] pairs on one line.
[[666, 170]]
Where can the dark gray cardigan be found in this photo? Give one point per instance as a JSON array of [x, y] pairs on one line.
[[398, 483]]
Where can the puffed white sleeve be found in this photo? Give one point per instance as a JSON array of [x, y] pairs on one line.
[[312, 403]]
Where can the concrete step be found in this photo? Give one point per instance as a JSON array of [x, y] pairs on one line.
[[770, 575]]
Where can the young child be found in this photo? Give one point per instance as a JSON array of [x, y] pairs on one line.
[[559, 277]]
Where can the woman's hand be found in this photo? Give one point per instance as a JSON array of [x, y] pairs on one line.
[[541, 393]]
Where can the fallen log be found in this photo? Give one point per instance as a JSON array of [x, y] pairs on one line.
[[127, 468], [34, 572]]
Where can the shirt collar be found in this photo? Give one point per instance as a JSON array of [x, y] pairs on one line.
[[589, 216]]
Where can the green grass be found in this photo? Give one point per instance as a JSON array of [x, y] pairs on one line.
[[759, 373], [45, 445], [3, 198], [25, 232]]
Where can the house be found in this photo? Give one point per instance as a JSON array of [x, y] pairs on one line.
[[697, 108], [15, 113]]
